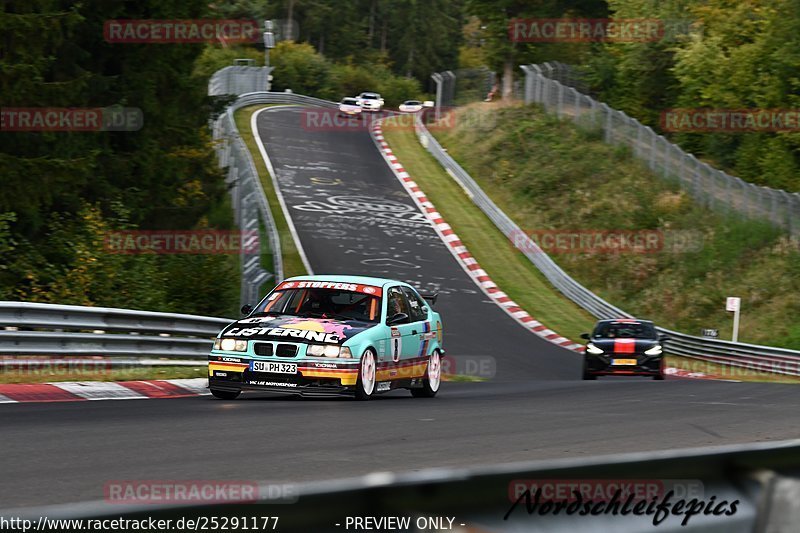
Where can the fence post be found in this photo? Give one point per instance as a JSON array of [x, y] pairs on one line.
[[437, 78]]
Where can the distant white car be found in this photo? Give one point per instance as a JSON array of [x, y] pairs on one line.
[[370, 101], [411, 106], [349, 107]]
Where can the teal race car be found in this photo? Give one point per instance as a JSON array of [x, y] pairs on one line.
[[332, 336]]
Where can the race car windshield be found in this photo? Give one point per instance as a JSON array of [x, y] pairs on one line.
[[322, 303], [616, 330], [350, 101], [413, 102], [370, 97]]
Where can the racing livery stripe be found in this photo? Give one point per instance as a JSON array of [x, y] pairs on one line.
[[231, 367], [624, 346], [423, 346], [460, 252]]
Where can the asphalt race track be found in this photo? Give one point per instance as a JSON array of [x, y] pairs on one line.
[[353, 216]]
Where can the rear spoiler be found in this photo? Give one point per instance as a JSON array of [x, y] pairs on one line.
[[430, 297]]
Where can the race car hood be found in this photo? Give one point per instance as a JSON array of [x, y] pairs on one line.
[[296, 329], [633, 346]]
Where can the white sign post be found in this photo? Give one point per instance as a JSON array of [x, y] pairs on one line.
[[734, 304]]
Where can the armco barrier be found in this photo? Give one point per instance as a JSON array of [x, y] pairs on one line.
[[76, 331], [754, 357], [249, 201]]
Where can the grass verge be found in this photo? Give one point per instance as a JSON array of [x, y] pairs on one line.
[[32, 375], [512, 271], [558, 180]]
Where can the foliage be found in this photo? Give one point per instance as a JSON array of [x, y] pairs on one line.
[[62, 190]]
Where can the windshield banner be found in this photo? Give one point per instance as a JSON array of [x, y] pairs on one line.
[[351, 287]]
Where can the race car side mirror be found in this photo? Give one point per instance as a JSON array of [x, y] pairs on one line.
[[585, 336], [399, 318], [247, 309]]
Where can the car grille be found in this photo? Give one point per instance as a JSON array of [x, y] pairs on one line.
[[263, 348], [286, 350]]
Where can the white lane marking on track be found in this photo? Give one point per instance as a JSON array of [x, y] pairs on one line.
[[281, 200], [99, 390]]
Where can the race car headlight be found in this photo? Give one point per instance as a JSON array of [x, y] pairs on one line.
[[317, 350], [232, 345], [331, 351], [592, 349], [655, 350]]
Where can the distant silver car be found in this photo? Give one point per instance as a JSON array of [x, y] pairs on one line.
[[370, 101], [349, 107], [411, 106]]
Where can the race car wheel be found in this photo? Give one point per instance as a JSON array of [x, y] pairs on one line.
[[365, 385], [588, 375], [225, 394], [433, 378]]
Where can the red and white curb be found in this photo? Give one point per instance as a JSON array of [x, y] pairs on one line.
[[460, 252], [70, 391]]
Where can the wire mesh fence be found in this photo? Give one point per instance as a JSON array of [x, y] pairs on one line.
[[554, 86]]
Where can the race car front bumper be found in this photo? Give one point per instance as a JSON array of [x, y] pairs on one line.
[[623, 364], [311, 379]]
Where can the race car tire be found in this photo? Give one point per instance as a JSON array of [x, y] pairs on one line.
[[588, 376], [365, 385], [225, 394], [433, 377], [659, 377]]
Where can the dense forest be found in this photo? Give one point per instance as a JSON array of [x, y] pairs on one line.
[[61, 192]]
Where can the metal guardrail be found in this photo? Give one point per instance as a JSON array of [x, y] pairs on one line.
[[548, 85], [238, 79], [249, 200], [749, 356], [762, 478], [77, 331]]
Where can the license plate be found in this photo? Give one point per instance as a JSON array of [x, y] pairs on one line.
[[623, 362], [273, 368]]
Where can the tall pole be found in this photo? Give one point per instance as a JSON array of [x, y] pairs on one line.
[[437, 78]]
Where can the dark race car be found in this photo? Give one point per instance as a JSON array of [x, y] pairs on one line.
[[625, 347]]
